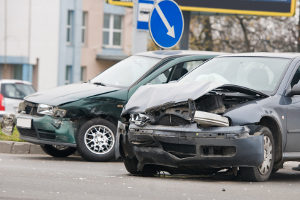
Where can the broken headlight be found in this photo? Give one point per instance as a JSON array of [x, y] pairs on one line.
[[139, 119], [21, 107], [59, 112], [44, 109]]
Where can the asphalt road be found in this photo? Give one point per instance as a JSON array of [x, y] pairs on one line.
[[26, 177]]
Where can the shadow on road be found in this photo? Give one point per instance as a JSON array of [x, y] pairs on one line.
[[293, 176], [281, 176], [73, 158]]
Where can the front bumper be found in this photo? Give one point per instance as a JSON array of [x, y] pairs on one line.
[[189, 146], [48, 130]]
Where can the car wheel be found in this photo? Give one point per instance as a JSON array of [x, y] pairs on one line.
[[96, 140], [58, 150], [262, 172]]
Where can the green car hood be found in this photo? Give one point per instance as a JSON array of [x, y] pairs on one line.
[[68, 93]]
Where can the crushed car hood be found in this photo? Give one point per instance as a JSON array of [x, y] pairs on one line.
[[152, 96], [68, 93]]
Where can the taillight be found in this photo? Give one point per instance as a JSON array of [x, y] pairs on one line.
[[2, 106]]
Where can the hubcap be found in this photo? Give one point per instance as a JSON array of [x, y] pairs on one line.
[[99, 139], [265, 167]]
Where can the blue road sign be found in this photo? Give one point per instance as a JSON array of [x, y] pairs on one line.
[[166, 24]]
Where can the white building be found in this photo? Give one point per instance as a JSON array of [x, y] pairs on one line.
[[56, 42]]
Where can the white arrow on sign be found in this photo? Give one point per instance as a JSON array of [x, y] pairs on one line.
[[171, 31]]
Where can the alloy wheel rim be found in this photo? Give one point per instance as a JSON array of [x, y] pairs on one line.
[[99, 139], [265, 167]]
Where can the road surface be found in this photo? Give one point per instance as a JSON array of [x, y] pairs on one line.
[[28, 177]]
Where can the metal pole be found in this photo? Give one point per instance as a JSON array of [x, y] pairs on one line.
[[5, 33], [29, 31], [184, 42]]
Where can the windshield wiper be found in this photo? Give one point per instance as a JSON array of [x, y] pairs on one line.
[[99, 83]]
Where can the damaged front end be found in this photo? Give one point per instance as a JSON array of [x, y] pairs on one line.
[[193, 134]]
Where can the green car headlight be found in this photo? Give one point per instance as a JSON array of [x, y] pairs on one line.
[[44, 109]]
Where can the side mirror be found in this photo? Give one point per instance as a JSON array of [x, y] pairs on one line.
[[295, 90]]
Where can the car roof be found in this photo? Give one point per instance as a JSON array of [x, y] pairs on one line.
[[170, 53], [289, 55], [14, 81]]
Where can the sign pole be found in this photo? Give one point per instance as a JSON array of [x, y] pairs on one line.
[[184, 42]]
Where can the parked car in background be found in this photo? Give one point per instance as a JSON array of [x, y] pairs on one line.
[[12, 92], [236, 112], [84, 116]]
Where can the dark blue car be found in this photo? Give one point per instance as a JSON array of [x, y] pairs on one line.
[[239, 112]]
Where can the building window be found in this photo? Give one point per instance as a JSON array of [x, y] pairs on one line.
[[1, 71], [84, 28], [83, 74], [112, 31], [69, 74], [70, 26], [18, 72]]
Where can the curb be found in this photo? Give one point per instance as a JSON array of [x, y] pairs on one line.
[[20, 148]]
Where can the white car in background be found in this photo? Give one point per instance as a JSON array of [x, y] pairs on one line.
[[12, 92]]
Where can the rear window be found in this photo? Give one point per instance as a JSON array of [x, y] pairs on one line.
[[16, 90]]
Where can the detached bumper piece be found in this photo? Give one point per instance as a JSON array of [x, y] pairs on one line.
[[191, 147]]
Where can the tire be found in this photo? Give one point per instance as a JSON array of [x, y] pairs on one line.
[[264, 171], [131, 167], [96, 140], [57, 150]]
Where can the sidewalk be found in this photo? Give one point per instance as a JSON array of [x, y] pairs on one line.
[[20, 148]]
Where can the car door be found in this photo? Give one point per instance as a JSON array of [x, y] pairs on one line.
[[293, 118], [171, 71]]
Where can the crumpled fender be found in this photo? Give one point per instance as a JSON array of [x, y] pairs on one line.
[[252, 113]]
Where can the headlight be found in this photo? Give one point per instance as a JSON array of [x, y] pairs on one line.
[[59, 112], [139, 119], [44, 109]]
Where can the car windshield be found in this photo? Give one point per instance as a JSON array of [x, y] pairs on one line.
[[16, 90], [258, 73], [126, 72]]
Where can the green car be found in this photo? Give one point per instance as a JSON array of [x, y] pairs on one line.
[[84, 116]]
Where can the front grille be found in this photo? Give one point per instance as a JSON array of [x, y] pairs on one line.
[[217, 150], [179, 150], [172, 120], [27, 132], [32, 133]]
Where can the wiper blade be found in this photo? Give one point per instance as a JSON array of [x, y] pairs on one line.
[[99, 83]]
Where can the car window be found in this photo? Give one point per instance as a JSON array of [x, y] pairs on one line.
[[126, 72], [176, 72], [257, 73], [296, 77], [16, 90], [162, 78], [183, 68]]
